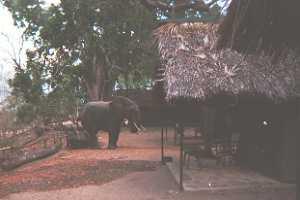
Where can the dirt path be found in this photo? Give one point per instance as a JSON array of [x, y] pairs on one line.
[[132, 172], [156, 185], [137, 186], [75, 168]]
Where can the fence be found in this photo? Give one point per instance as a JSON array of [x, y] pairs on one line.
[[12, 157]]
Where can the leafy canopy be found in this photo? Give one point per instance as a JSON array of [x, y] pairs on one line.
[[83, 47], [74, 38]]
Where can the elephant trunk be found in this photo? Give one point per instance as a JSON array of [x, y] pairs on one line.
[[143, 128], [137, 127]]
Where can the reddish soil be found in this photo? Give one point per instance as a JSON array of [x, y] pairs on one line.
[[77, 175], [68, 174], [74, 168]]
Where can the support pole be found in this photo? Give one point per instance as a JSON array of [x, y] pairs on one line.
[[162, 147], [175, 134], [180, 129], [298, 175], [298, 182], [166, 134], [298, 166]]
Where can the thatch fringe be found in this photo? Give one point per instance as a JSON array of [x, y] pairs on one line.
[[195, 69]]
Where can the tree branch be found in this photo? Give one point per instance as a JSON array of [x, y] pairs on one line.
[[212, 2], [186, 4], [17, 64], [180, 5], [153, 4]]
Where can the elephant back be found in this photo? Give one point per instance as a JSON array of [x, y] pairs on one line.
[[95, 115]]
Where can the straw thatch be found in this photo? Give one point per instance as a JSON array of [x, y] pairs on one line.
[[270, 26], [195, 69]]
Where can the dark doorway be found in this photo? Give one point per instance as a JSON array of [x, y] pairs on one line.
[[262, 146]]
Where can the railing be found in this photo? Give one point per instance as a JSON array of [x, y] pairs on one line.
[[11, 157], [5, 134]]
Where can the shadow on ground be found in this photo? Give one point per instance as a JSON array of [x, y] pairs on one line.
[[69, 174]]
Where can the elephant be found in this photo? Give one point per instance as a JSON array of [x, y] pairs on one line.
[[108, 116]]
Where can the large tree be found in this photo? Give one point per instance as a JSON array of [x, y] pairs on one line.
[[97, 40], [186, 10], [83, 49]]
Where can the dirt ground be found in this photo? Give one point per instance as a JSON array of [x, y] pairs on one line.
[[132, 172], [75, 168]]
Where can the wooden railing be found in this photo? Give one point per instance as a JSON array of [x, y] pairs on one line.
[[11, 157], [4, 134]]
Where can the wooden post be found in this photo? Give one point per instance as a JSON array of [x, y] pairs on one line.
[[175, 134], [162, 147], [44, 143], [181, 131], [298, 182], [54, 139], [166, 134], [298, 172]]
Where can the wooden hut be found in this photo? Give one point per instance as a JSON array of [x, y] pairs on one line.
[[197, 74], [267, 27]]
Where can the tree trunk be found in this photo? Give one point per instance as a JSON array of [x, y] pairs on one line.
[[109, 87], [126, 79], [95, 84]]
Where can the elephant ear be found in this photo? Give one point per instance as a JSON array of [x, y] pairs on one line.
[[117, 109], [121, 107], [132, 108]]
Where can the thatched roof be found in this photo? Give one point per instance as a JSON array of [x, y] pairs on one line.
[[261, 25], [195, 69]]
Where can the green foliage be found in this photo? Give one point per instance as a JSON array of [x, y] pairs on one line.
[[36, 99], [193, 13], [7, 119], [71, 40]]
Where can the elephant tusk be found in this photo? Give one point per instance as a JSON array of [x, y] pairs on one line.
[[126, 122], [136, 126], [143, 128]]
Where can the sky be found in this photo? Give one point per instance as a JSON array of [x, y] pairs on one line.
[[10, 40], [10, 45]]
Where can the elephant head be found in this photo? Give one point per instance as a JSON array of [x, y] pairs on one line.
[[125, 108]]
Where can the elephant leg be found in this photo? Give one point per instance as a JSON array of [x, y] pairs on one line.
[[93, 139], [111, 144], [113, 138]]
